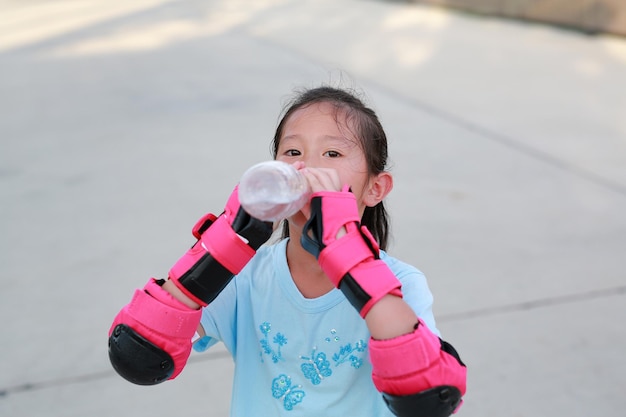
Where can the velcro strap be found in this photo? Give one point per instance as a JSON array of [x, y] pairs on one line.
[[338, 258], [163, 318], [404, 355], [203, 224], [156, 291], [226, 246], [374, 279]]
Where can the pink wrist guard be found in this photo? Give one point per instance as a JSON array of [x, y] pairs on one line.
[[165, 323], [351, 262], [414, 363], [225, 245]]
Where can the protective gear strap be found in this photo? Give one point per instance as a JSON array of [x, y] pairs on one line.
[[414, 363], [367, 283], [154, 321], [226, 246], [203, 224], [342, 255], [176, 320], [221, 241]]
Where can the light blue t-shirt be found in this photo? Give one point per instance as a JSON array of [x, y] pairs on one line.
[[296, 356]]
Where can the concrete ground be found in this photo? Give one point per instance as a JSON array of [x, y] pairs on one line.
[[123, 122]]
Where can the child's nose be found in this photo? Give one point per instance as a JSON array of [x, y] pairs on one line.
[[310, 160]]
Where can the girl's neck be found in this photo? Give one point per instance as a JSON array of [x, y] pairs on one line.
[[305, 270]]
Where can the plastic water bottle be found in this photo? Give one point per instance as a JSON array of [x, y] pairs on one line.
[[273, 190]]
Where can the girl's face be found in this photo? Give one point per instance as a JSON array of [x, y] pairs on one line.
[[319, 140]]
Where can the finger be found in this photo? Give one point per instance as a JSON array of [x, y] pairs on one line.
[[317, 181], [322, 179]]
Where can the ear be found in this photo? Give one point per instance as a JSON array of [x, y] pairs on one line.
[[378, 188]]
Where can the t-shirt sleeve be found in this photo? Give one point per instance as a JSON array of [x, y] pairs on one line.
[[218, 318]]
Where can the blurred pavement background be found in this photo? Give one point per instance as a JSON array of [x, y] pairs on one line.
[[123, 122]]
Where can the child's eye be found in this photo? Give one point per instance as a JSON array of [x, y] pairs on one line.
[[292, 152], [332, 154]]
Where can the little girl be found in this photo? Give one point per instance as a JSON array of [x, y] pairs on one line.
[[322, 323]]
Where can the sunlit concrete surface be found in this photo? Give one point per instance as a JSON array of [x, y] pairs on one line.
[[123, 122]]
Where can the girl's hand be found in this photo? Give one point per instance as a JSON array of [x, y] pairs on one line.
[[321, 179]]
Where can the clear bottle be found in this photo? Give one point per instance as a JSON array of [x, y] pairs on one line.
[[273, 190]]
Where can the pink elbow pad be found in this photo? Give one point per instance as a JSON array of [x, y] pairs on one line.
[[413, 363], [162, 320]]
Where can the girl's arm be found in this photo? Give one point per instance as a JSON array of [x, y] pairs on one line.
[[150, 338], [378, 322], [419, 374]]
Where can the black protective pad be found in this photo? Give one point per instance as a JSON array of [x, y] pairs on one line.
[[136, 359], [435, 402]]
